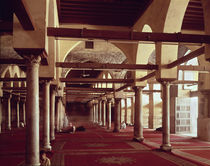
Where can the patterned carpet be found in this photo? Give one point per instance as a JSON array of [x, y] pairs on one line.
[[97, 146]]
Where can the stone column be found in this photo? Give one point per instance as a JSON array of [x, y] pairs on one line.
[[151, 108], [120, 113], [138, 119], [126, 111], [109, 126], [24, 111], [52, 113], [46, 116], [61, 115], [32, 111], [96, 111], [132, 110], [1, 113], [57, 113], [18, 111], [8, 97], [104, 112], [117, 115], [166, 146], [99, 112]]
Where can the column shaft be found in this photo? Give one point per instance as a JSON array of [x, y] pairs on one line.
[[1, 113], [99, 112], [52, 114], [109, 114], [46, 116], [117, 115], [132, 110], [24, 112], [138, 120], [32, 113], [9, 113], [96, 111], [104, 113], [126, 111], [57, 114], [18, 112], [166, 146]]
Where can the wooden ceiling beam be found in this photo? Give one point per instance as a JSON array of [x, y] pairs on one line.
[[23, 79], [107, 66], [89, 89], [150, 75], [95, 80], [127, 35], [186, 58], [23, 15], [194, 68]]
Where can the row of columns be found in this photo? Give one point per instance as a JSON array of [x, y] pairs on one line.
[[6, 111], [99, 110], [52, 118]]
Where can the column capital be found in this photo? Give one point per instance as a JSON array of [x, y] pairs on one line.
[[16, 98], [7, 95], [23, 99], [135, 88], [33, 59]]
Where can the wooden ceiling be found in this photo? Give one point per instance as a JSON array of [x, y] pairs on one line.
[[193, 19], [101, 12]]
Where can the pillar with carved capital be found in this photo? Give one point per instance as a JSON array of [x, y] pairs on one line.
[[52, 113], [46, 116], [109, 113], [138, 119], [32, 111], [103, 105], [166, 146], [18, 111], [117, 115]]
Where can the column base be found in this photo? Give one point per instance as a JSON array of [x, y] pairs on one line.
[[9, 128], [47, 147], [116, 130], [138, 139], [166, 147], [38, 164], [52, 138]]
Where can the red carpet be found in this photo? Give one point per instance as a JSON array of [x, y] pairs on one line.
[[135, 159]]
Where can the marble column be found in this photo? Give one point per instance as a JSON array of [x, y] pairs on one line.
[[126, 111], [103, 105], [138, 119], [132, 110], [1, 113], [109, 113], [61, 115], [52, 113], [99, 112], [18, 111], [57, 113], [96, 111], [117, 115], [46, 116], [120, 112], [8, 97], [166, 146], [24, 111], [32, 111]]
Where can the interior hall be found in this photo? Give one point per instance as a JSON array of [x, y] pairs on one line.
[[104, 82]]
